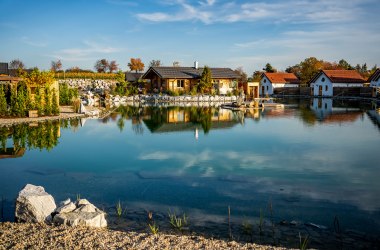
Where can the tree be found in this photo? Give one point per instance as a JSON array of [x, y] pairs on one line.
[[155, 63], [205, 82], [256, 77], [54, 104], [56, 66], [309, 67], [16, 67], [113, 66], [296, 69], [269, 69], [176, 64], [3, 102], [47, 108], [242, 74], [16, 64], [136, 64], [343, 64], [102, 66]]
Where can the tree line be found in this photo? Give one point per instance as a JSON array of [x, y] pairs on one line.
[[306, 69], [33, 93]]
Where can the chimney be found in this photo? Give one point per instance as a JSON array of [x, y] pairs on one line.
[[196, 65]]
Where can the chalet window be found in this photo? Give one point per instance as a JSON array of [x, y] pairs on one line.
[[326, 88], [180, 83], [232, 84], [323, 79], [267, 88], [265, 80], [216, 83], [325, 105]]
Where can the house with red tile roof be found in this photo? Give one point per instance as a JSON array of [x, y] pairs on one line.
[[270, 81], [324, 82]]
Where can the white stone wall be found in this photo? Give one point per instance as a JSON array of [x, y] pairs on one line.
[[89, 84]]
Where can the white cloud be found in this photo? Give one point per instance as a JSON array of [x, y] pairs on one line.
[[295, 11], [89, 51], [29, 41]]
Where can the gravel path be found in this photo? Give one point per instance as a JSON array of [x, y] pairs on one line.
[[41, 236]]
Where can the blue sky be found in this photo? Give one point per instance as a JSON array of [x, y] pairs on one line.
[[216, 33]]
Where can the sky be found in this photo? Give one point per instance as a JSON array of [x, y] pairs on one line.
[[216, 33]]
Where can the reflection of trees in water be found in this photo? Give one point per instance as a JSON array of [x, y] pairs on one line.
[[127, 113], [35, 136], [202, 116]]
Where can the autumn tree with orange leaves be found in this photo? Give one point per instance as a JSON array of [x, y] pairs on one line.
[[136, 64]]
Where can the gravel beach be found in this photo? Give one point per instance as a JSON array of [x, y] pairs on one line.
[[41, 236]]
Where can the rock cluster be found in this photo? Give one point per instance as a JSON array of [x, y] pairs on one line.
[[97, 86], [82, 213], [35, 205]]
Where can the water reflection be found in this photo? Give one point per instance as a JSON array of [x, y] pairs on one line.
[[16, 139]]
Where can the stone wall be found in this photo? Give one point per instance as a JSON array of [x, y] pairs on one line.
[[90, 84]]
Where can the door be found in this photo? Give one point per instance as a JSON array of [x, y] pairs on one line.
[[250, 92], [262, 90], [320, 90]]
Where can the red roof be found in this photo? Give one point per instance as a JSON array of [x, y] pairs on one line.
[[343, 76], [282, 78]]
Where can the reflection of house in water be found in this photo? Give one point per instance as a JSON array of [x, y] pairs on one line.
[[11, 152], [374, 114], [161, 120], [322, 107], [325, 111]]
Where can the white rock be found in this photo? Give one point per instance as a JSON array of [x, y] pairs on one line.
[[82, 202], [33, 204], [88, 208], [66, 208], [95, 219], [65, 202]]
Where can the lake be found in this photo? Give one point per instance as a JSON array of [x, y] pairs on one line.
[[312, 161]]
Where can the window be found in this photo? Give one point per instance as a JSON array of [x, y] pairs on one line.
[[265, 80], [267, 88], [180, 83], [326, 88], [216, 84], [323, 79], [325, 105], [232, 84]]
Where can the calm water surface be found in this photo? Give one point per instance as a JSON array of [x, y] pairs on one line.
[[313, 160]]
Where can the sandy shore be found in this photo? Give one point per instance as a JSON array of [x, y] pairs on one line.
[[66, 112], [41, 236]]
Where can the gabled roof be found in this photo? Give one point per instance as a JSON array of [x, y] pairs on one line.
[[375, 76], [132, 76], [282, 77], [340, 76], [190, 73]]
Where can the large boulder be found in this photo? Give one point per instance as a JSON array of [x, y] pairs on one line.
[[33, 204], [82, 213]]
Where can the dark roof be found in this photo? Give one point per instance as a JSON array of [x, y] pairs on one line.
[[132, 76], [4, 69], [375, 76], [190, 73], [282, 77], [341, 76]]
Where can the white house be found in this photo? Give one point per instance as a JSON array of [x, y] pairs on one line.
[[270, 81], [375, 79], [324, 82], [322, 107]]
